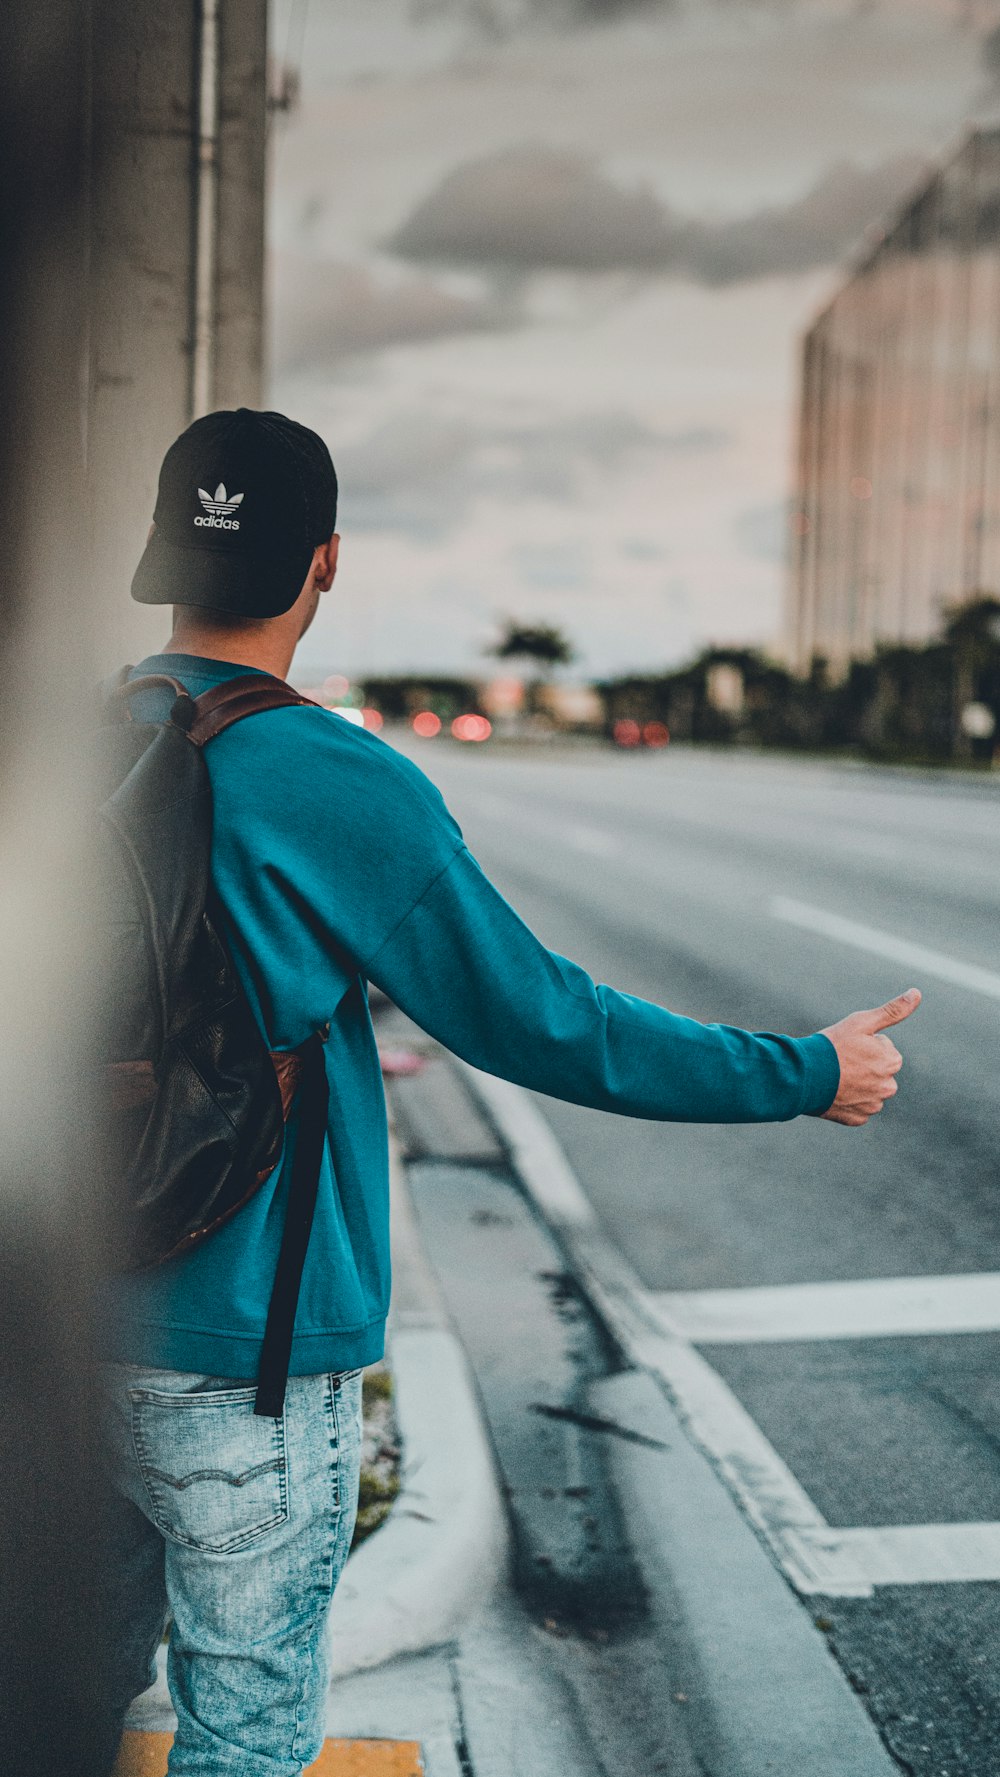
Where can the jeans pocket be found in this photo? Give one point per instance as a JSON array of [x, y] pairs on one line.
[[216, 1475]]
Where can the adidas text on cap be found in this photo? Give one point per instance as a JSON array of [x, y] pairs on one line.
[[243, 501]]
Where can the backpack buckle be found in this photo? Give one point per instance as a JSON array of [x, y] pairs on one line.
[[183, 712]]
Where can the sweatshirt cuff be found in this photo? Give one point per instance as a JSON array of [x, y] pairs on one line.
[[822, 1071]]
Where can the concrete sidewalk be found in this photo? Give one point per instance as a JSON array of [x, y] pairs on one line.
[[487, 1704], [431, 1642]]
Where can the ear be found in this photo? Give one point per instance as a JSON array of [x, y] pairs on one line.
[[324, 563]]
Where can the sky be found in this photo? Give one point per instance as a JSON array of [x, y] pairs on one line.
[[539, 273]]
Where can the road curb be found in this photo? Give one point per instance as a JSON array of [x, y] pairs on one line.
[[767, 1696], [443, 1548]]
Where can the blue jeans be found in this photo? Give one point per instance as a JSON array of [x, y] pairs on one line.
[[238, 1529]]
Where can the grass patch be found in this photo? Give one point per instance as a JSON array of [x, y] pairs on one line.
[[380, 1452]]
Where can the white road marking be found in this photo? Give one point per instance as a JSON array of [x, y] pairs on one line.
[[815, 1556], [776, 1503], [886, 945], [872, 1308], [925, 1554], [535, 1152]]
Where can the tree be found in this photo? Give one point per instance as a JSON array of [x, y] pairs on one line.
[[542, 643], [972, 632]]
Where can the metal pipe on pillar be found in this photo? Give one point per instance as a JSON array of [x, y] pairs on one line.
[[206, 212]]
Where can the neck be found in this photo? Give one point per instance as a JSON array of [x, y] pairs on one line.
[[267, 645]]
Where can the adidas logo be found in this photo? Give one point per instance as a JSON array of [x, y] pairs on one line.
[[219, 509]]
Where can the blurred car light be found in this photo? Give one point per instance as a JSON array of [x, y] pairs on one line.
[[372, 720], [426, 724], [471, 727], [626, 733], [656, 734]]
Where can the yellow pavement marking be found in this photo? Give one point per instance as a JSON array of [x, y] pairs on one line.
[[368, 1758], [145, 1755]]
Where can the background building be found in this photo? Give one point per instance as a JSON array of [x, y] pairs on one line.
[[897, 516]]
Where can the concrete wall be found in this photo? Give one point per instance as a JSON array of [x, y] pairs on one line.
[[145, 124]]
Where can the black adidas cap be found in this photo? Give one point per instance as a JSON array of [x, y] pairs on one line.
[[244, 499]]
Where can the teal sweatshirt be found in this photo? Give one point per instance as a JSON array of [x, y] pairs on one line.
[[338, 864]]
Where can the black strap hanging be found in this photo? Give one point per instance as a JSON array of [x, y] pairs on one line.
[[310, 1134]]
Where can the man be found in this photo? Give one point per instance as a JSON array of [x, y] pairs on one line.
[[336, 863]]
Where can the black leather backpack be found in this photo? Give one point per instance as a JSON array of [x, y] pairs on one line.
[[195, 1104]]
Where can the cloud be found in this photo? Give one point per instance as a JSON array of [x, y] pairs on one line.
[[500, 19], [326, 311], [762, 531], [537, 208], [410, 474], [817, 229], [551, 567], [419, 473]]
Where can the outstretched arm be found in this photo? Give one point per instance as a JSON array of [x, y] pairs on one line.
[[466, 968]]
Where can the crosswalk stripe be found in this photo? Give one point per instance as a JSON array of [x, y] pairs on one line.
[[866, 1308]]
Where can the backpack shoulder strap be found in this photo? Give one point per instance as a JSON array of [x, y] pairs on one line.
[[110, 700], [115, 694], [234, 699]]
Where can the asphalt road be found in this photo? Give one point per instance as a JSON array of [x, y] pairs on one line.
[[770, 894]]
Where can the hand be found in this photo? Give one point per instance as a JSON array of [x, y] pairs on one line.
[[869, 1062]]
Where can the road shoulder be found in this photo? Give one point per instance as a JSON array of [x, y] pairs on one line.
[[757, 1676]]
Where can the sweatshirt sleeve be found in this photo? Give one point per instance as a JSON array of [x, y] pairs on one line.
[[466, 968]]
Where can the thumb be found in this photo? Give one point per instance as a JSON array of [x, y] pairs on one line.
[[894, 1011]]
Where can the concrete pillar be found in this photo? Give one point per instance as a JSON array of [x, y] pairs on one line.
[[97, 218], [51, 1678], [147, 120]]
